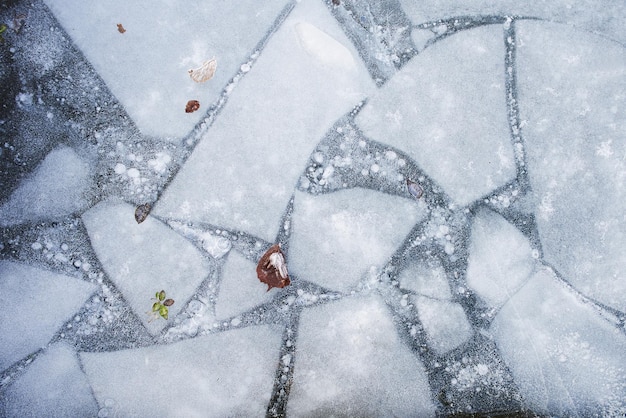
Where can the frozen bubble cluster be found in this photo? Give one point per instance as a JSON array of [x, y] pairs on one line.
[[444, 182]]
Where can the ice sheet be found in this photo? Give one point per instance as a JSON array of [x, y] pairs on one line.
[[35, 303], [501, 258], [583, 14], [58, 187], [446, 109], [240, 289], [572, 89], [142, 259], [337, 237], [146, 66], [226, 374], [566, 359], [445, 323], [242, 173], [341, 347], [53, 386]]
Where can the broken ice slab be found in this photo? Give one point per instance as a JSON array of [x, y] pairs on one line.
[[580, 14], [59, 186], [240, 289], [35, 303], [445, 323], [146, 66], [337, 237], [242, 173], [225, 374], [447, 110], [54, 384], [145, 258], [572, 86], [350, 359], [566, 359], [501, 258]]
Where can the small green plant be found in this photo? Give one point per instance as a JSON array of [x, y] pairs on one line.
[[3, 29], [160, 307]]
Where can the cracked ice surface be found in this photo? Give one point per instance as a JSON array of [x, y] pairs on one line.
[[499, 291], [253, 154], [565, 357], [35, 304], [143, 259], [446, 108], [582, 14], [501, 258], [54, 384], [142, 69], [341, 346], [57, 188], [336, 239], [189, 378], [575, 129]]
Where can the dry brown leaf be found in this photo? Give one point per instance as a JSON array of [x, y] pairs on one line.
[[120, 28], [192, 106], [272, 268], [204, 72]]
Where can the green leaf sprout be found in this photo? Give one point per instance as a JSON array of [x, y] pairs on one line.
[[160, 307]]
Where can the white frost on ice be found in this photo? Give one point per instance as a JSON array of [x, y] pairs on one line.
[[243, 171], [446, 108], [54, 385], [240, 289], [572, 87], [35, 303], [500, 258], [337, 237], [225, 374], [146, 67], [351, 360], [56, 188], [565, 358], [324, 47], [445, 323], [142, 259]]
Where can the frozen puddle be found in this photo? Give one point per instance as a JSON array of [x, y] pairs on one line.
[[445, 181]]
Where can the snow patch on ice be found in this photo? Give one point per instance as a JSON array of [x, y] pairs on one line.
[[324, 47]]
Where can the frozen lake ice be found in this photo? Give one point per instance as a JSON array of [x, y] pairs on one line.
[[445, 182]]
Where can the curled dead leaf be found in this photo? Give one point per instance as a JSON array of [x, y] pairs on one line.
[[168, 302], [414, 189], [18, 22], [142, 212], [204, 72], [192, 106], [272, 268], [120, 28]]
